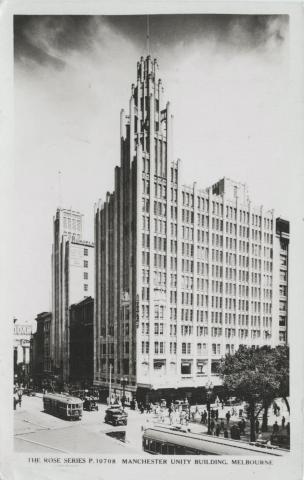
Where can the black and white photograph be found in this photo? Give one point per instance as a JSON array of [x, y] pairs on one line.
[[153, 219]]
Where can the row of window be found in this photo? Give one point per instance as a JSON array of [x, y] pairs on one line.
[[243, 320]]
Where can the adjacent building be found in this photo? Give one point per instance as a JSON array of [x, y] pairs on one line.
[[81, 342], [72, 281], [183, 274], [22, 338], [40, 350]]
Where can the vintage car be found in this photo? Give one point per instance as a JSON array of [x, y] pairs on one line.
[[116, 416], [181, 405], [89, 404], [29, 391]]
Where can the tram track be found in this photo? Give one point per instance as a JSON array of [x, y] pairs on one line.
[[50, 447]]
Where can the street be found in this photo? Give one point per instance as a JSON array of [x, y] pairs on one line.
[[37, 431]]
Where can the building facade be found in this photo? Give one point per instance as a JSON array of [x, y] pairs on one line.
[[22, 339], [40, 349], [184, 275], [72, 281], [81, 342]]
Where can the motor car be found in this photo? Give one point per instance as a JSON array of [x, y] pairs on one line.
[[116, 416], [89, 404], [181, 404], [29, 392]]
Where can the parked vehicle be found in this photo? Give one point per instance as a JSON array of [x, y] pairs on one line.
[[116, 416], [30, 392], [89, 404], [63, 405], [181, 404]]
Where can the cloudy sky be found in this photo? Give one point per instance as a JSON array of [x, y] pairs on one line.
[[227, 78]]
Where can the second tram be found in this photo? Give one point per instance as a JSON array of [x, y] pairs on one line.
[[169, 441], [64, 406]]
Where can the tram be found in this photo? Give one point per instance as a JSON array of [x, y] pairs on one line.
[[62, 405], [171, 441]]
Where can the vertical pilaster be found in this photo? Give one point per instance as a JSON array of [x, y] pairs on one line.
[[179, 272]]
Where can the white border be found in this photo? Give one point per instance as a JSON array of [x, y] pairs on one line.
[[16, 465]]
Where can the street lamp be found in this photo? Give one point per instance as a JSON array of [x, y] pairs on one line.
[[123, 381], [209, 389]]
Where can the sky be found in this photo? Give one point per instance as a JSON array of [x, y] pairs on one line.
[[226, 76]]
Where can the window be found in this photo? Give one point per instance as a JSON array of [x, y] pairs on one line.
[[85, 264], [86, 252], [85, 287], [186, 368], [85, 275]]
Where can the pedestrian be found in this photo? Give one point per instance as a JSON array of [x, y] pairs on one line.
[[226, 433], [217, 430], [257, 426], [288, 428], [275, 428], [235, 432], [222, 425], [205, 417], [202, 418], [243, 422], [216, 414], [278, 411], [15, 396], [283, 422], [228, 417], [187, 419], [20, 397], [212, 425]]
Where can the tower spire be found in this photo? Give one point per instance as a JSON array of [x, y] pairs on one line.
[[148, 35]]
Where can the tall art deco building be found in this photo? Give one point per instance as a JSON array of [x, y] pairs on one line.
[[184, 275], [72, 281]]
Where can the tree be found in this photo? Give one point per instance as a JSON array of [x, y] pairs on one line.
[[281, 359], [251, 375]]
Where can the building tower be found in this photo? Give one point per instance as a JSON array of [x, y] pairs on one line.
[[72, 280], [183, 275]]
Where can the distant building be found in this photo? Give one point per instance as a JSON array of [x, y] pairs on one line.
[[40, 349], [184, 274], [22, 337], [72, 281], [81, 342]]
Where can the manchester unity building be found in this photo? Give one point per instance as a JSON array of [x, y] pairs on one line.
[[183, 274]]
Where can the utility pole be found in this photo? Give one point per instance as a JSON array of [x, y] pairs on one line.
[[110, 384]]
